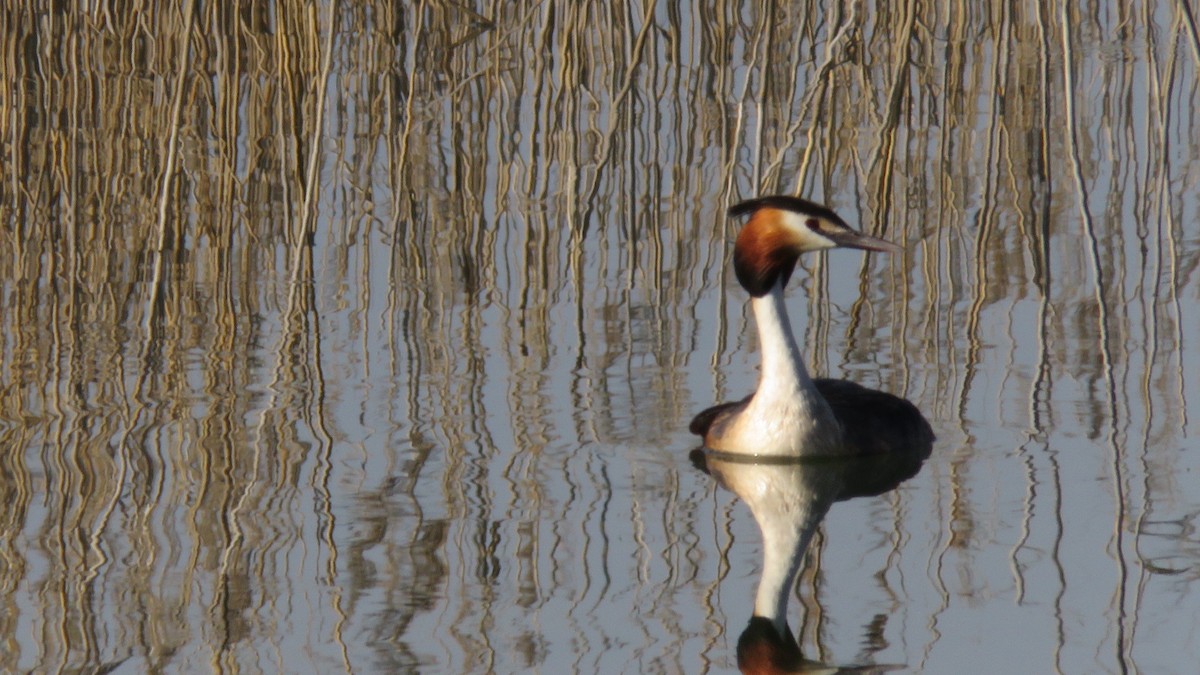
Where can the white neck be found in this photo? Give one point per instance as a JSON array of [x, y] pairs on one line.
[[787, 404], [786, 536], [782, 368]]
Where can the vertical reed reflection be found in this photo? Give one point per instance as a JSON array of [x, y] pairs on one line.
[[364, 325]]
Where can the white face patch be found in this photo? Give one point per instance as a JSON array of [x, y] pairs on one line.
[[809, 237]]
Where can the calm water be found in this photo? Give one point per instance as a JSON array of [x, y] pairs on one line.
[[363, 337]]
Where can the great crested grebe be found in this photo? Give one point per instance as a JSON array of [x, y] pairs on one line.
[[790, 414]]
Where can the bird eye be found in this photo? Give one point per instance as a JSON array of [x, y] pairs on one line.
[[813, 224]]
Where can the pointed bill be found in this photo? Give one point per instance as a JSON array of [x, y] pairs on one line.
[[851, 239]]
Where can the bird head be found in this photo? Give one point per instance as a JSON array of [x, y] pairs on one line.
[[780, 229]]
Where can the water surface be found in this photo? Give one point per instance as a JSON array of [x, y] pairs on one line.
[[364, 336]]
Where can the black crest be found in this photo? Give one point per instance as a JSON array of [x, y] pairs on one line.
[[785, 203]]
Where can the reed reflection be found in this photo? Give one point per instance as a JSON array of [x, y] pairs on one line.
[[789, 497]]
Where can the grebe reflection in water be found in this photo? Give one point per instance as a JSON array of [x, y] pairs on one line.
[[789, 498]]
